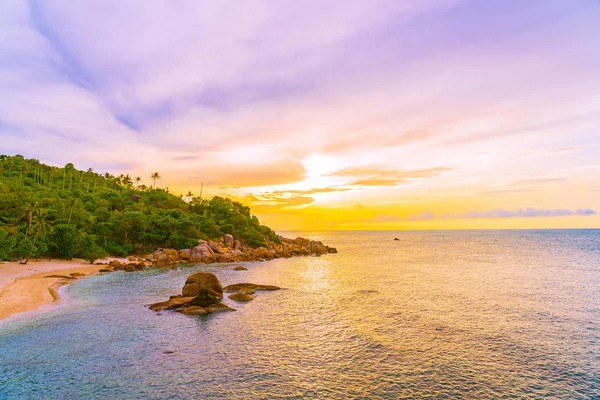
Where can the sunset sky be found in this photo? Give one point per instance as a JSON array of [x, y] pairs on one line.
[[415, 114]]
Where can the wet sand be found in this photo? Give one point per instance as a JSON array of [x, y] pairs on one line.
[[26, 287]]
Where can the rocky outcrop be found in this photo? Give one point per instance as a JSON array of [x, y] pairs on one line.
[[205, 289], [228, 249], [202, 294]]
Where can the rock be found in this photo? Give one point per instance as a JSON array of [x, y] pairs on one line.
[[168, 351], [185, 254], [139, 266], [215, 246], [59, 276], [396, 239], [223, 250], [245, 286], [129, 268], [204, 287], [201, 251], [170, 304], [76, 274], [240, 268], [135, 198], [131, 258], [114, 263], [237, 245], [219, 307], [194, 310], [228, 240], [241, 296], [105, 270], [332, 250]]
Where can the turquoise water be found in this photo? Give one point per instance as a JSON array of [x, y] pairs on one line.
[[470, 314]]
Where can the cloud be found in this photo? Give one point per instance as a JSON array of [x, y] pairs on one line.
[[519, 213], [371, 176], [278, 193], [383, 218], [213, 172], [424, 216]]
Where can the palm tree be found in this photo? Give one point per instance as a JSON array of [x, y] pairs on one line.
[[155, 176], [52, 170], [31, 209], [137, 180], [127, 180], [41, 227], [190, 194], [24, 168], [71, 203]]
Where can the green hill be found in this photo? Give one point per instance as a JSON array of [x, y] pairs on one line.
[[64, 212]]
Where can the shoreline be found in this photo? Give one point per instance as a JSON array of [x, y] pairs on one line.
[[36, 285], [27, 288]]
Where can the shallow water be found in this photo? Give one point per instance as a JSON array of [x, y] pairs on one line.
[[469, 314]]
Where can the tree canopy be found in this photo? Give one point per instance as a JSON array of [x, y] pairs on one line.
[[64, 212]]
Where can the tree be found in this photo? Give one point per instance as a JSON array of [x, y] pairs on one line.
[[155, 176], [137, 180], [41, 227], [31, 209]]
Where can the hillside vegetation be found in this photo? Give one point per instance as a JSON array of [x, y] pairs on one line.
[[64, 212]]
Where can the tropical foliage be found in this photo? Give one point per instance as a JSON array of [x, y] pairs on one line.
[[64, 212]]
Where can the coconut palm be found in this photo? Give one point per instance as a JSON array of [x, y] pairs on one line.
[[137, 180], [31, 210], [155, 176], [41, 227]]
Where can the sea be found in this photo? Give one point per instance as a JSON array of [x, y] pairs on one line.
[[502, 314]]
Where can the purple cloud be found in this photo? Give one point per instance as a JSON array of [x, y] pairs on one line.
[[519, 213]]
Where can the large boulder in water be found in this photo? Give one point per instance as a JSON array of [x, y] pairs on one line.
[[204, 287]]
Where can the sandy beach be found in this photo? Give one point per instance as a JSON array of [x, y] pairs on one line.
[[26, 287]]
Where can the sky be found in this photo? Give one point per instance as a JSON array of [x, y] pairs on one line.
[[320, 114]]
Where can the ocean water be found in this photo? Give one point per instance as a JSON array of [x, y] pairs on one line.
[[455, 314]]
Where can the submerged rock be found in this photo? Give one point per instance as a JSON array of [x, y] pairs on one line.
[[172, 303], [193, 310], [248, 286], [60, 276], [240, 268], [241, 296], [219, 307]]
